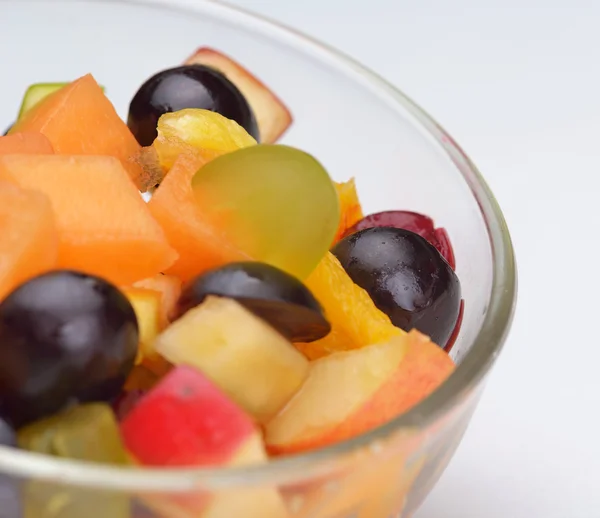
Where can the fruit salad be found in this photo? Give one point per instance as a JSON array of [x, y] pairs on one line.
[[181, 289]]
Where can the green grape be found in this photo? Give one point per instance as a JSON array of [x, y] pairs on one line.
[[54, 500], [275, 203], [87, 432], [36, 92]]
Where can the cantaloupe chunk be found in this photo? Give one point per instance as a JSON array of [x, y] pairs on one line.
[[198, 243], [25, 143], [104, 225], [29, 244], [79, 119]]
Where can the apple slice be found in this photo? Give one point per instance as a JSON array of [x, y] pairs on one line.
[[146, 304], [151, 305], [272, 116], [187, 421], [258, 368], [348, 393]]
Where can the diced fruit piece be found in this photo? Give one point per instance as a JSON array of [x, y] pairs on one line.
[[413, 221], [104, 226], [29, 244], [146, 304], [169, 288], [36, 92], [198, 243], [186, 421], [355, 320], [89, 433], [259, 502], [142, 378], [79, 119], [65, 337], [210, 133], [201, 134], [274, 202], [25, 143], [337, 392], [86, 432], [168, 149], [187, 86], [249, 360], [349, 393], [271, 294], [272, 116], [350, 208], [406, 277], [152, 173], [154, 366], [150, 365]]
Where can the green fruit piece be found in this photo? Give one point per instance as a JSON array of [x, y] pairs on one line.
[[273, 202], [87, 432], [53, 500], [36, 92]]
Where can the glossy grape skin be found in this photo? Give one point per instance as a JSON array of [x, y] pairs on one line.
[[188, 86], [413, 221], [268, 292], [406, 277], [64, 337]]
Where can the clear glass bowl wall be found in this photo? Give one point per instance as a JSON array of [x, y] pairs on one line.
[[356, 125]]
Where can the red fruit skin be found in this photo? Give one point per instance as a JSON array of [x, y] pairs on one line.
[[414, 222], [185, 420]]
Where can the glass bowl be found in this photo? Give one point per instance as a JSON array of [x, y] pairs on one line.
[[356, 125]]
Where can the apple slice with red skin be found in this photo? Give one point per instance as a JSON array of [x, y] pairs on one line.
[[351, 392], [186, 420], [272, 116]]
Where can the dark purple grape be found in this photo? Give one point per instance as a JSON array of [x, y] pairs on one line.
[[406, 277], [64, 337], [187, 86], [413, 221], [270, 293]]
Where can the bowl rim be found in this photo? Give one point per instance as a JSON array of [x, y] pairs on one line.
[[473, 367]]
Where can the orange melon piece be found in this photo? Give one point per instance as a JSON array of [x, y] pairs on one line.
[[350, 208], [29, 244], [197, 242], [25, 143], [104, 225], [79, 119]]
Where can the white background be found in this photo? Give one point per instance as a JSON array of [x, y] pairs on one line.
[[517, 83]]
